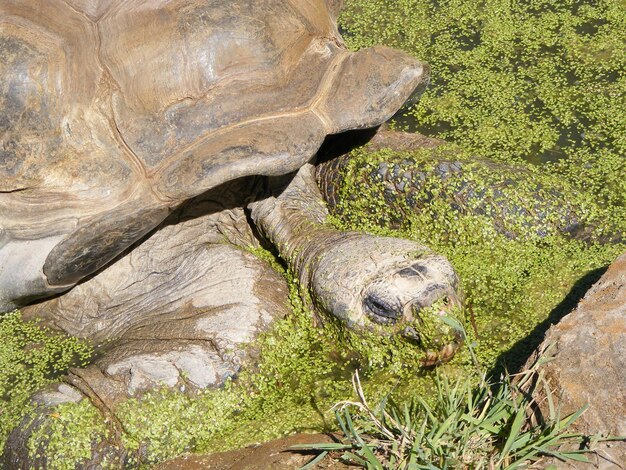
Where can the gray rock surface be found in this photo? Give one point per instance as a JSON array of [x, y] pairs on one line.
[[590, 365]]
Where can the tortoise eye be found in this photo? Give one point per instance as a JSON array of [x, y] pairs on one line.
[[380, 311]]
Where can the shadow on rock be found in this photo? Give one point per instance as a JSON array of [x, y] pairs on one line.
[[513, 359]]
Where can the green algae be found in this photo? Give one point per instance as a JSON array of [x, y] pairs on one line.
[[539, 80], [30, 357], [67, 435], [516, 199]]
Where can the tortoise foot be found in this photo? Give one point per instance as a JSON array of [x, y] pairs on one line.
[[188, 346]]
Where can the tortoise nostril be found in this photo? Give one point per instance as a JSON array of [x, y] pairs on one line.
[[416, 269], [443, 304], [379, 310]]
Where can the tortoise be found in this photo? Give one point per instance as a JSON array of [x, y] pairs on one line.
[[147, 144]]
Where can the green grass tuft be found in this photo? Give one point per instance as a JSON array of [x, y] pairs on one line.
[[466, 426]]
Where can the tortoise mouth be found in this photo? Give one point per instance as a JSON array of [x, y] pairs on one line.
[[442, 347], [435, 358]]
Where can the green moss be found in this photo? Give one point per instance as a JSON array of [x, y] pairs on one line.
[[30, 357], [540, 81], [270, 258], [67, 435]]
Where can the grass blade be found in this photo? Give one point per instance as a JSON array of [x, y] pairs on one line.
[[516, 427], [317, 459]]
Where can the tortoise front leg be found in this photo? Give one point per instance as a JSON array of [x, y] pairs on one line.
[[181, 310], [365, 280]]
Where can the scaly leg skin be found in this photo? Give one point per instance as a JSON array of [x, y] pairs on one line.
[[177, 311], [364, 280]]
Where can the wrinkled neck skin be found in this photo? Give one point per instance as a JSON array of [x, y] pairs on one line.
[[362, 279], [293, 220]]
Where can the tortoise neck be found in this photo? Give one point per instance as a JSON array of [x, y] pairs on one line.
[[294, 222]]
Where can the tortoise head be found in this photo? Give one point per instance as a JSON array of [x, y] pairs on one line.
[[392, 286]]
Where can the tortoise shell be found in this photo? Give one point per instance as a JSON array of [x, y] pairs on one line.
[[114, 112]]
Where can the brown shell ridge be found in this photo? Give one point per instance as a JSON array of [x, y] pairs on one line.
[[96, 11], [112, 9], [79, 12], [133, 158], [325, 86], [263, 147], [26, 26], [130, 153], [311, 107], [22, 221]]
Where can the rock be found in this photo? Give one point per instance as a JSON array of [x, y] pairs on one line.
[[273, 455], [589, 365], [418, 174]]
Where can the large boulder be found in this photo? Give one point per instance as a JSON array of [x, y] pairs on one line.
[[589, 366]]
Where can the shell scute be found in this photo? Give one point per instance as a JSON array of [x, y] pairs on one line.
[[207, 67]]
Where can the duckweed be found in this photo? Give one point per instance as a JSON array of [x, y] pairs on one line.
[[67, 435], [540, 80], [30, 357]]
